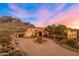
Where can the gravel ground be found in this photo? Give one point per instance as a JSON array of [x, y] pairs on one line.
[[48, 48]]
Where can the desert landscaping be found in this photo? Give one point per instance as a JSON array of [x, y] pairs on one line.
[[24, 39]]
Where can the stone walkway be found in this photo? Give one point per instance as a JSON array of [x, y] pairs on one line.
[[48, 48]]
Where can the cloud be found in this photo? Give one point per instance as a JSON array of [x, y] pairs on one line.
[[44, 16], [41, 15], [16, 11], [44, 13], [68, 17]]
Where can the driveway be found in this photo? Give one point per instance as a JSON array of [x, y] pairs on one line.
[[48, 48]]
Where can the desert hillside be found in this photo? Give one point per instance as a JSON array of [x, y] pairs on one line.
[[13, 24]]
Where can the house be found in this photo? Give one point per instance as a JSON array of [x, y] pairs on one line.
[[71, 34], [35, 32]]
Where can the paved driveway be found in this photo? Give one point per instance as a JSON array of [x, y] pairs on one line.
[[48, 48]]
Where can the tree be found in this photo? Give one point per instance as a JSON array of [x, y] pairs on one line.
[[57, 31]]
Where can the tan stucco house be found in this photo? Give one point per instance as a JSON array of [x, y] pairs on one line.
[[71, 34], [32, 32]]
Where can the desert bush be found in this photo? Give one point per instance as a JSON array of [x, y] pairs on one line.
[[16, 53], [72, 44]]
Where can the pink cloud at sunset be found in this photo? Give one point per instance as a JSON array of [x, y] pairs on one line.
[[68, 18], [42, 15]]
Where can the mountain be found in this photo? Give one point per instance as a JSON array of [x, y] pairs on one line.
[[13, 24]]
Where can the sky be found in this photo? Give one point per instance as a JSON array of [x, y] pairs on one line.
[[43, 14]]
